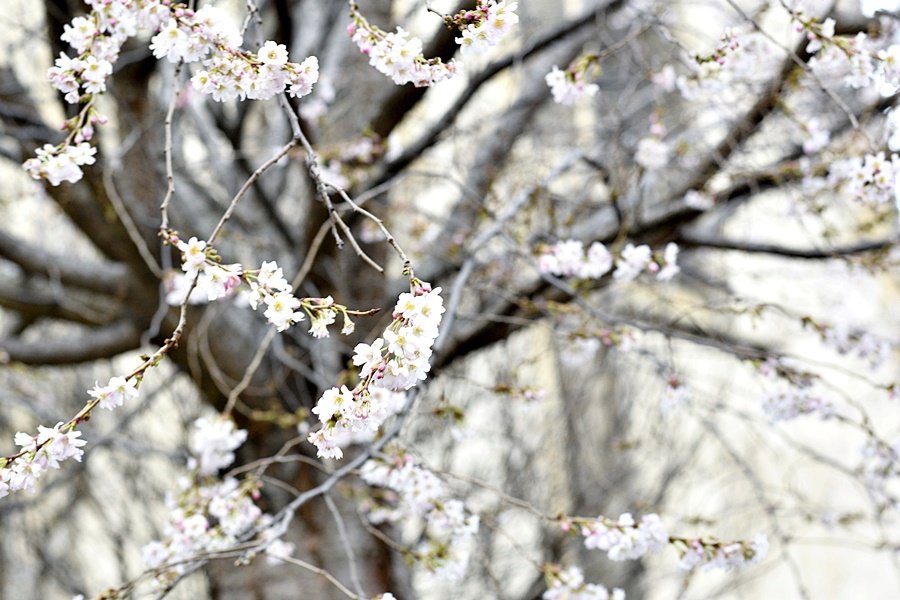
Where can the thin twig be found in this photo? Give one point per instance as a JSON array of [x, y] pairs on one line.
[[247, 184], [125, 218], [345, 540], [251, 370], [320, 571], [167, 151]]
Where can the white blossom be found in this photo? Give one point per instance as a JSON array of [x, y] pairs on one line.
[[115, 393], [213, 442], [652, 153], [569, 584], [567, 87], [487, 25], [394, 362], [625, 539], [421, 495], [633, 261], [398, 55]]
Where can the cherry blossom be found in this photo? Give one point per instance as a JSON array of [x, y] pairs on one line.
[[421, 496], [569, 584], [213, 443], [711, 554], [569, 85], [396, 361], [115, 393], [485, 26], [625, 539], [397, 54]]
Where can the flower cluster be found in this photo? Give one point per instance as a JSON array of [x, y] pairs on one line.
[[793, 394], [870, 179], [212, 444], [791, 401], [97, 39], [880, 470], [816, 135], [861, 61], [53, 445], [861, 343], [38, 454], [744, 55], [844, 61], [114, 393], [182, 34], [635, 259], [190, 36], [232, 73], [624, 539], [270, 288], [858, 62], [567, 86], [396, 361], [729, 42], [206, 514], [569, 584], [419, 495], [267, 287], [60, 163], [712, 554], [818, 34], [568, 259], [397, 55], [200, 262], [485, 26]]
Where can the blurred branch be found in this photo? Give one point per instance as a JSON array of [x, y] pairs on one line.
[[104, 277], [697, 240], [90, 344], [34, 301], [741, 131], [84, 203]]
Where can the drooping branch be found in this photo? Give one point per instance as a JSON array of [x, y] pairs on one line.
[[405, 97], [448, 118]]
